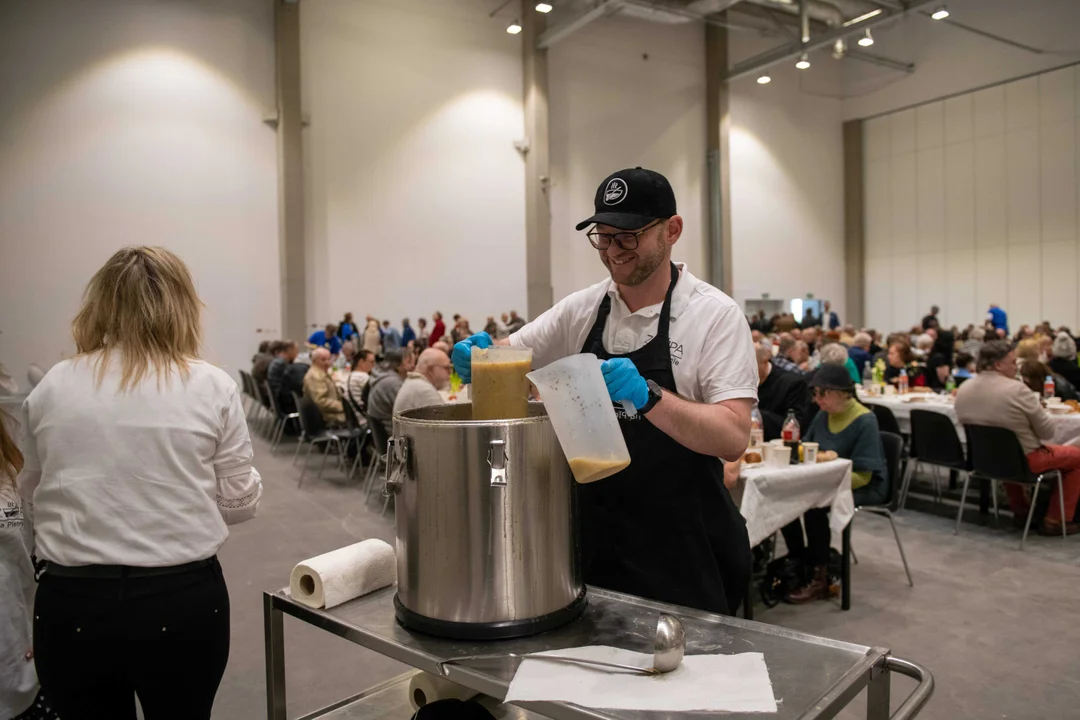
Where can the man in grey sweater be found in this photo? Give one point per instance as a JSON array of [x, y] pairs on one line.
[[421, 388], [384, 388], [995, 397]]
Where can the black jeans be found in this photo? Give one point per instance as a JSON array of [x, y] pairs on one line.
[[100, 642], [815, 551]]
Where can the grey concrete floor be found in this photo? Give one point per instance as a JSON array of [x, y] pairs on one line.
[[997, 627]]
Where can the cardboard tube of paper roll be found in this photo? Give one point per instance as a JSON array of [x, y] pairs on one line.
[[425, 688], [339, 576]]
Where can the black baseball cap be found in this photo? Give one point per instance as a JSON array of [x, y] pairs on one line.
[[632, 198]]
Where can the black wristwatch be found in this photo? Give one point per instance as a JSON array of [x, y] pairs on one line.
[[655, 393]]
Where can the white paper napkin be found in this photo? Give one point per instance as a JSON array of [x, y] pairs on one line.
[[717, 683]]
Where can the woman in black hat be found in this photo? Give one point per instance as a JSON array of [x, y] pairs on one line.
[[847, 428]]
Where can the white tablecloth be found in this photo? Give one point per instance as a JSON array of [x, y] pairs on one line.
[[1066, 427], [770, 498]]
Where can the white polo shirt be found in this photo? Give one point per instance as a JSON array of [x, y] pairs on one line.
[[712, 353]]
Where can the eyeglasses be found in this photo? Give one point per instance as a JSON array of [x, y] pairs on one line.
[[624, 240]]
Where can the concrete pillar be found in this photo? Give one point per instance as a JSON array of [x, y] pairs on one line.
[[718, 127], [537, 171], [290, 171], [854, 224]]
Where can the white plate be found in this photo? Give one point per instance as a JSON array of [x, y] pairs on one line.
[[751, 466]]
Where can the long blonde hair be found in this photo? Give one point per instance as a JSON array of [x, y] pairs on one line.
[[142, 303], [11, 458]]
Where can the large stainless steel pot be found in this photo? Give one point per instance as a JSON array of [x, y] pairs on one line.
[[485, 532]]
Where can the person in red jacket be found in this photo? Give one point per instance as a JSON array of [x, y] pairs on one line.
[[437, 330]]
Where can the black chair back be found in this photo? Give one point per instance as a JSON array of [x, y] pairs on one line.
[[261, 395], [379, 434], [934, 440], [269, 395], [885, 419], [247, 382], [311, 419], [351, 421], [893, 445], [996, 453]]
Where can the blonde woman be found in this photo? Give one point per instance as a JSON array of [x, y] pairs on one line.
[[137, 455]]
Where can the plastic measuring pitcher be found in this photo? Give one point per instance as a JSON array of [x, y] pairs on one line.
[[577, 401], [500, 390]]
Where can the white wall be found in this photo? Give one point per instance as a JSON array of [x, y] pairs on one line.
[[973, 200], [787, 183], [610, 108], [414, 194], [950, 60], [125, 122]]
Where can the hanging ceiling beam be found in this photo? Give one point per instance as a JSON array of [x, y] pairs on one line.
[[881, 60], [554, 34], [792, 50]]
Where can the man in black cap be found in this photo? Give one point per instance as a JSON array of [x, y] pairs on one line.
[[680, 350]]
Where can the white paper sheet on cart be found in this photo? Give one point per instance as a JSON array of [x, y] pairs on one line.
[[717, 683]]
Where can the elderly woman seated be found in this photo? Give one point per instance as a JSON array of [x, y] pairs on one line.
[[1063, 358], [1033, 373], [851, 431], [837, 354]]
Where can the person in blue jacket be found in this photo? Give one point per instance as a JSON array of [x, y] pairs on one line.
[[326, 338], [997, 317]]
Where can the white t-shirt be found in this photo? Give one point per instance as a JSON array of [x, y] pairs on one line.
[[712, 353], [148, 477]]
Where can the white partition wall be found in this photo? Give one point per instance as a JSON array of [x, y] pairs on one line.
[[973, 200]]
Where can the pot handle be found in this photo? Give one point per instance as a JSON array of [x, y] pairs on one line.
[[497, 460], [397, 457]]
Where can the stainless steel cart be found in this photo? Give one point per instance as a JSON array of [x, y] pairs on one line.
[[814, 677]]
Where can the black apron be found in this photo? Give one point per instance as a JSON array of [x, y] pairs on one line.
[[665, 528]]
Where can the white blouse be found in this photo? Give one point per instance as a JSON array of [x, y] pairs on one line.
[[148, 477]]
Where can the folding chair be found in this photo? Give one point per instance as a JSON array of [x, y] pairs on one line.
[[934, 442], [282, 418], [893, 445]]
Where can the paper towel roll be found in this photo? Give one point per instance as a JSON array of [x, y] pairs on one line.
[[426, 688], [341, 575]]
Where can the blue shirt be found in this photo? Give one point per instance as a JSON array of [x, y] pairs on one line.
[[406, 335], [347, 330], [319, 339], [860, 357], [998, 317]]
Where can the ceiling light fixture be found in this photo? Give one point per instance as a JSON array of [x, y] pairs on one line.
[[804, 62], [515, 28], [941, 13], [867, 39], [866, 16], [839, 49], [764, 79], [544, 7]]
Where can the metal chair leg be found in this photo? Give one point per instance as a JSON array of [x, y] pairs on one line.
[[854, 557], [937, 485], [325, 455], [299, 444], [963, 496], [1061, 502], [303, 470], [993, 497], [1031, 511], [900, 547], [905, 483], [374, 474]]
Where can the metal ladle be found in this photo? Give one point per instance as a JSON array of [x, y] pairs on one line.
[[668, 652]]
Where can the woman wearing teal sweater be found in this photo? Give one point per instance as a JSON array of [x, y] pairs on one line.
[[846, 427]]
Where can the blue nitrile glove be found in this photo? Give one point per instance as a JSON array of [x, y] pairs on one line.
[[462, 355], [624, 382]]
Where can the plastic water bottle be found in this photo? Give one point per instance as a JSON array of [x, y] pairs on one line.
[[902, 381], [867, 376], [1048, 387], [757, 428], [950, 382]]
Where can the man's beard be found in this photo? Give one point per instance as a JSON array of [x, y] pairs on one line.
[[647, 265]]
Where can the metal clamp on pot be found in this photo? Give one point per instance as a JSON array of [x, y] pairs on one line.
[[397, 462]]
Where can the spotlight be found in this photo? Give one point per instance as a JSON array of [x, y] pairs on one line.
[[839, 48], [515, 28], [804, 62], [543, 7], [867, 39], [941, 13], [764, 79]]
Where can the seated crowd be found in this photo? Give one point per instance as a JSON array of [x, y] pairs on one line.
[[813, 372], [378, 369]]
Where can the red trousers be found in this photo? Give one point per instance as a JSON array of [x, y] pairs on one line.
[[1065, 458]]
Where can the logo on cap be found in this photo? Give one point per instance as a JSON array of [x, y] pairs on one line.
[[615, 192]]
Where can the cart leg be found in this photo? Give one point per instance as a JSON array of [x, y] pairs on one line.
[[845, 569], [877, 694], [274, 637]]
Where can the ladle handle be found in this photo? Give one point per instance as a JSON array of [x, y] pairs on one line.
[[551, 658]]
